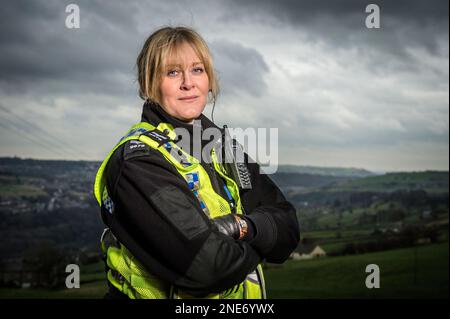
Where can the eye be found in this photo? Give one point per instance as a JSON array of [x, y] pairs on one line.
[[198, 70], [173, 73]]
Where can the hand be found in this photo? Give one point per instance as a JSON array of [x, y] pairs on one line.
[[231, 225]]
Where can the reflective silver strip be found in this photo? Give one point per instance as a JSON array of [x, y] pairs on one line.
[[253, 277], [262, 284]]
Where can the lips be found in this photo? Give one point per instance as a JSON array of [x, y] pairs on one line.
[[188, 98]]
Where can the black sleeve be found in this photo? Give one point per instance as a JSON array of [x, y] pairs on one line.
[[275, 222], [161, 223]]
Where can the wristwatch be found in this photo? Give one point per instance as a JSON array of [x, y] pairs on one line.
[[243, 227]]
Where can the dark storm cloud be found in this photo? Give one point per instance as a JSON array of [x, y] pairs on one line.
[[39, 52], [40, 55], [301, 11], [36, 46], [310, 68], [342, 23], [241, 68]]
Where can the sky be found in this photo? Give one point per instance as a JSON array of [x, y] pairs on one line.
[[339, 93]]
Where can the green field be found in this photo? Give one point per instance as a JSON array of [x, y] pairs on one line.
[[330, 277], [14, 191], [344, 277], [430, 181]]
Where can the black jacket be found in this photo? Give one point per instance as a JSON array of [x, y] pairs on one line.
[[159, 220]]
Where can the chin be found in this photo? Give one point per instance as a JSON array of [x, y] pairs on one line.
[[190, 118], [193, 113]]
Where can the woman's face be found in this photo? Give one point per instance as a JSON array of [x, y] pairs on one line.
[[185, 85]]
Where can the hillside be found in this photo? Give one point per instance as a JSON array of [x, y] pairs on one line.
[[49, 218], [305, 181], [420, 272], [429, 181], [47, 203], [325, 171]]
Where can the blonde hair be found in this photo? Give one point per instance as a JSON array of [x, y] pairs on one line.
[[161, 44]]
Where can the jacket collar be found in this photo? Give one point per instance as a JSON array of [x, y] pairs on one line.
[[154, 114]]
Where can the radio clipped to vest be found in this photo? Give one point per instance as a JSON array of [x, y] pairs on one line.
[[234, 161]]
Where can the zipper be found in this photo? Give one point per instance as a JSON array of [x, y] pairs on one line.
[[213, 177], [215, 184]]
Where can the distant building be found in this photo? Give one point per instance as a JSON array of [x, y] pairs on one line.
[[318, 252], [305, 252]]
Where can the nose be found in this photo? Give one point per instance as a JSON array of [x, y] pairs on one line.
[[187, 83]]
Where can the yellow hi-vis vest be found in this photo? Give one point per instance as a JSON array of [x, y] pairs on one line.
[[126, 273]]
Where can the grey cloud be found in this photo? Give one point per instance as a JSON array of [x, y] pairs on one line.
[[310, 9], [391, 81], [348, 12], [341, 24], [38, 48], [40, 54], [241, 68]]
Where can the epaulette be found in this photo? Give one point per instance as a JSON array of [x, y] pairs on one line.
[[157, 136], [135, 148]]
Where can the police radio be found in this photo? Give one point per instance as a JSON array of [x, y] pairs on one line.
[[234, 161]]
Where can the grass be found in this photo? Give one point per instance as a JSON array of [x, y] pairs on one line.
[[14, 191], [344, 277], [91, 290], [334, 248], [432, 182], [328, 278], [329, 238], [92, 286], [320, 234]]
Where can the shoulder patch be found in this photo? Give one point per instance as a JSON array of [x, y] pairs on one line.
[[157, 136], [135, 148]]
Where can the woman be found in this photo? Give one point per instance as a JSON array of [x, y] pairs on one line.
[[182, 227]]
